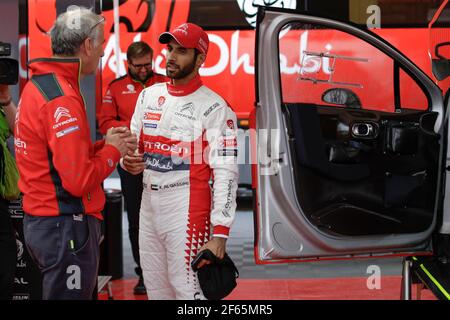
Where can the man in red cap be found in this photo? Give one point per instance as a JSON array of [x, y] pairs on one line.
[[187, 134], [116, 111]]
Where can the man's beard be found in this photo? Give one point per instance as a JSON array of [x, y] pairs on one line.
[[181, 73], [135, 76]]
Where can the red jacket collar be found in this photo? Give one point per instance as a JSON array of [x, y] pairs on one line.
[[68, 68], [185, 89], [150, 81]]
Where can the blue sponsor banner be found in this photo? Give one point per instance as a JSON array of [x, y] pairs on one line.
[[151, 125], [163, 163]]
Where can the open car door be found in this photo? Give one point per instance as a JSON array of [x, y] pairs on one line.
[[433, 271], [439, 52], [348, 143]]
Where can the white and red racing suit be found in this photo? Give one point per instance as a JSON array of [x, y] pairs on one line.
[[186, 133]]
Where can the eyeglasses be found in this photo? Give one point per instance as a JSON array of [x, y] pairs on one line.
[[144, 65], [102, 19]]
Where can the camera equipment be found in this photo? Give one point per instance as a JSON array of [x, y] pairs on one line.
[[9, 68]]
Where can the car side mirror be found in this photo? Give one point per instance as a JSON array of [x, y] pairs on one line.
[[342, 97], [441, 65]]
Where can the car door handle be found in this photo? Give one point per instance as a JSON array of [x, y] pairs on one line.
[[364, 130]]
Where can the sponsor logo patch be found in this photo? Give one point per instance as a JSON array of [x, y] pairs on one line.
[[150, 125], [174, 185], [64, 132], [21, 146], [202, 44], [183, 28], [78, 217], [173, 148], [186, 111], [162, 163], [153, 108], [152, 116], [169, 186], [228, 204], [60, 113], [58, 125], [161, 101], [110, 163], [228, 152], [211, 109], [227, 143], [188, 108], [130, 89]]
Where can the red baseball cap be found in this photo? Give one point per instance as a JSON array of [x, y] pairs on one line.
[[188, 35]]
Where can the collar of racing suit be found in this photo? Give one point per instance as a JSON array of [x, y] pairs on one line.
[[67, 68], [185, 89]]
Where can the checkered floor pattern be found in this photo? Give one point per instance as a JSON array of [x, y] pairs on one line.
[[240, 249]]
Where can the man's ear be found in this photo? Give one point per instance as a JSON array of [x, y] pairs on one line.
[[200, 59], [88, 45]]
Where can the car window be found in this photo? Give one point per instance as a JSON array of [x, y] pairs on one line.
[[329, 67]]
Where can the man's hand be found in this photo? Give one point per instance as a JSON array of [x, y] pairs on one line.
[[118, 138], [130, 138], [217, 246], [134, 162], [123, 132], [132, 143]]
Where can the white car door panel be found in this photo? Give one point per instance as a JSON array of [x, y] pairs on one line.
[[348, 143]]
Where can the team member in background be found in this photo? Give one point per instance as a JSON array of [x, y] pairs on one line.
[[117, 110], [61, 171], [186, 133]]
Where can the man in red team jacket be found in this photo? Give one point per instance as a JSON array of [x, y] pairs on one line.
[[117, 110], [61, 171]]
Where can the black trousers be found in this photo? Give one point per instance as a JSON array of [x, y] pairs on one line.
[[8, 252], [66, 250], [132, 194]]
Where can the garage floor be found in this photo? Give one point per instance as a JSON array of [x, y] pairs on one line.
[[294, 289]]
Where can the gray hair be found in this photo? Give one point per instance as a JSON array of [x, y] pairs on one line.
[[72, 27]]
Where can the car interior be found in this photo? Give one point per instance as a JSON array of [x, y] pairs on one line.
[[363, 172], [365, 157]]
